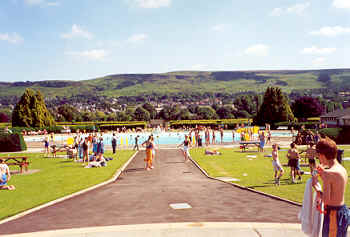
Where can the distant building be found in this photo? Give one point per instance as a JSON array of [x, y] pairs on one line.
[[338, 118]]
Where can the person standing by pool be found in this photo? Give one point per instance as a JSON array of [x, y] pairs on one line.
[[114, 143], [222, 134], [334, 177], [136, 146], [207, 136], [186, 144], [47, 147], [262, 141], [213, 136]]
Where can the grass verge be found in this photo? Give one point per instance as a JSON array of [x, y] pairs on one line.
[[255, 171], [55, 178]]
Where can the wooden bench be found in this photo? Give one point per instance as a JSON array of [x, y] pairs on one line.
[[20, 161], [244, 145]]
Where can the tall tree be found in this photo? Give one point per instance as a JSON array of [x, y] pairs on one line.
[[274, 108], [150, 108], [31, 111], [141, 114], [306, 106], [206, 113]]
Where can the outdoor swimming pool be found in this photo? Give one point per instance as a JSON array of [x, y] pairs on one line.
[[160, 138]]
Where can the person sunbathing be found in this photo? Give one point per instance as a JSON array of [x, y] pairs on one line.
[[211, 152]]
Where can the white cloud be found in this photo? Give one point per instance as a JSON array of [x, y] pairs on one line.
[[199, 67], [331, 31], [77, 31], [219, 27], [277, 11], [319, 61], [341, 3], [137, 38], [53, 4], [13, 38], [258, 50], [298, 9], [94, 54], [151, 3], [317, 50], [34, 2]]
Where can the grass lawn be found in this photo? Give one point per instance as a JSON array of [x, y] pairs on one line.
[[257, 173], [55, 178]]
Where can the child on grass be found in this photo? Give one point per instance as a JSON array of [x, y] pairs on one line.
[[5, 176], [277, 167]]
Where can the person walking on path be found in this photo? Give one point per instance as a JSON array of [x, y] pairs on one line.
[[277, 167], [186, 144], [149, 152], [114, 143], [136, 146], [5, 176], [334, 178]]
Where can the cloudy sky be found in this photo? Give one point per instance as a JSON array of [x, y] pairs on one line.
[[84, 39]]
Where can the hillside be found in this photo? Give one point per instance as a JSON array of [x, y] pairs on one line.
[[187, 82]]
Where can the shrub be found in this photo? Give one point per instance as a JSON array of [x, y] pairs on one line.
[[12, 143]]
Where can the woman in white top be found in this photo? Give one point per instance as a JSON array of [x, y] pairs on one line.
[[5, 176]]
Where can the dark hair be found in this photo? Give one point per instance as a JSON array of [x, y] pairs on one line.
[[328, 148], [292, 145]]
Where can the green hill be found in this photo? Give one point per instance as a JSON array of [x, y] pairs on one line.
[[187, 82]]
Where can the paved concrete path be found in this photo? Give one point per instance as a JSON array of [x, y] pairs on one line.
[[143, 197]]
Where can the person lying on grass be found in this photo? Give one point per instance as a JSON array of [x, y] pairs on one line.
[[5, 176], [211, 152]]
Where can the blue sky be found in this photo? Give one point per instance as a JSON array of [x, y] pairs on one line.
[[84, 39]]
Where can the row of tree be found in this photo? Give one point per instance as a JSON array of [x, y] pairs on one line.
[[273, 107]]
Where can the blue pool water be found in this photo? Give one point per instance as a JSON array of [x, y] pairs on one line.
[[161, 138]]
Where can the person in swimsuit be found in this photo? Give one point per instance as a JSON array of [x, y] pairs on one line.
[[293, 161], [334, 178], [149, 152], [186, 144], [5, 176], [277, 167]]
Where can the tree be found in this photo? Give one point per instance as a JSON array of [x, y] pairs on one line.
[[225, 112], [4, 118], [274, 108], [150, 108], [141, 114], [169, 112], [184, 114], [68, 112], [206, 113], [31, 111], [306, 106], [122, 116]]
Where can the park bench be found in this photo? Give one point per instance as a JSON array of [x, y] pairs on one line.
[[21, 161], [244, 145]]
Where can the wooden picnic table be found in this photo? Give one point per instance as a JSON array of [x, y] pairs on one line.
[[244, 145], [21, 161]]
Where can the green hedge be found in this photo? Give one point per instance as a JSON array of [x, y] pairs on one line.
[[12, 143], [340, 135]]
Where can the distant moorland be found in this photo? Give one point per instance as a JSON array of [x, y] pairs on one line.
[[187, 82]]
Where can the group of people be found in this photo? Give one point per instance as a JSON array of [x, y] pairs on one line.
[[334, 179]]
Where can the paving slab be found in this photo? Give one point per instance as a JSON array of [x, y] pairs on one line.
[[143, 197]]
